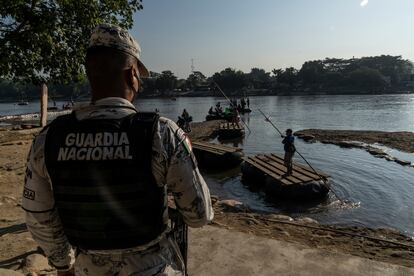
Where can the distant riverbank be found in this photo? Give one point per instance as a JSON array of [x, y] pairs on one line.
[[244, 93], [265, 92]]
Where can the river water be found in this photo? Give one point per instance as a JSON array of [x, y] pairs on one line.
[[385, 190]]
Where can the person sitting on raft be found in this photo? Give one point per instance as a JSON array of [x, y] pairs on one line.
[[219, 110], [185, 115]]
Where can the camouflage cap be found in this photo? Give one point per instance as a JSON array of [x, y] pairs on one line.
[[112, 36]]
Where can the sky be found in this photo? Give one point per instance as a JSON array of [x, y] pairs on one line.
[[268, 34]]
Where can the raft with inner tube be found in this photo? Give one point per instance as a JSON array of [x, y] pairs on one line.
[[215, 156], [268, 172]]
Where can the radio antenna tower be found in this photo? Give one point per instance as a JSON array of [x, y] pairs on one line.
[[192, 65]]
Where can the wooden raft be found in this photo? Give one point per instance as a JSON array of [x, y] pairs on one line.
[[273, 165], [214, 148]]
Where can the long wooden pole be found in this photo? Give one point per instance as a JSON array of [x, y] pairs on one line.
[[43, 105]]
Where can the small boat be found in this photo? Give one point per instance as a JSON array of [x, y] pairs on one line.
[[215, 156], [23, 103], [268, 172]]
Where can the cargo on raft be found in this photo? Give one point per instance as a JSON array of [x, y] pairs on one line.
[[268, 172], [229, 130], [215, 156]]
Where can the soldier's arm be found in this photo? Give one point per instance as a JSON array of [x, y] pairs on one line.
[[191, 194], [42, 219]]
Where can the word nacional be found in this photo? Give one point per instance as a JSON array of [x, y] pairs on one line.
[[95, 146]]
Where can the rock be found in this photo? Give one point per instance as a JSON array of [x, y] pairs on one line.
[[348, 144], [305, 137], [376, 152], [402, 162], [214, 199], [281, 217], [233, 205], [8, 272], [37, 263], [402, 254], [24, 126], [307, 220], [7, 144], [308, 138], [8, 199]]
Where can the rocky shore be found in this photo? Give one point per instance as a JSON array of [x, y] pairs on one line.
[[366, 140], [18, 251]]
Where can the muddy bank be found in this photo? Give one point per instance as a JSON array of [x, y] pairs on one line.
[[385, 245], [402, 141], [19, 252]]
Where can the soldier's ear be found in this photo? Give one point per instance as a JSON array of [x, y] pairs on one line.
[[130, 76]]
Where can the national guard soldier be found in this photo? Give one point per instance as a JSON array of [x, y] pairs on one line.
[[95, 194]]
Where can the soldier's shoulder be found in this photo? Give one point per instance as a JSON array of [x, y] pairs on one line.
[[170, 133], [168, 125]]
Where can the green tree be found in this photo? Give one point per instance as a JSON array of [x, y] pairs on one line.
[[367, 78], [286, 78], [45, 41], [312, 72], [195, 79], [230, 79], [166, 81], [259, 78]]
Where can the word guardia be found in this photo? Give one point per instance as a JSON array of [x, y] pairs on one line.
[[95, 146]]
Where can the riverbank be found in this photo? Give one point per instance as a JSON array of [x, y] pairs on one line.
[[17, 248]]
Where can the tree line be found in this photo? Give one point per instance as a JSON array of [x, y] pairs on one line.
[[375, 74], [332, 75]]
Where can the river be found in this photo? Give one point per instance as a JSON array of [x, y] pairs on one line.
[[385, 190]]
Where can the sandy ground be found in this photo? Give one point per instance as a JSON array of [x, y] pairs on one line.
[[215, 251], [384, 245]]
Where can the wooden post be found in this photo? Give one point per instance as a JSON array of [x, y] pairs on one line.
[[43, 105]]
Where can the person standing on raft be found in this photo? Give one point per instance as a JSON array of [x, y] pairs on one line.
[[289, 147]]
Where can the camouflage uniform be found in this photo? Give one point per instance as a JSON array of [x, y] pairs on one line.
[[173, 164]]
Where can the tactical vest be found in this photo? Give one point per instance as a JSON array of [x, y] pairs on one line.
[[104, 190]]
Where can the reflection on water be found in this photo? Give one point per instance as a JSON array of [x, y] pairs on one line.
[[384, 189]]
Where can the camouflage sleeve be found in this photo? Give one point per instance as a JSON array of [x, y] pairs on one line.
[[42, 219], [179, 171]]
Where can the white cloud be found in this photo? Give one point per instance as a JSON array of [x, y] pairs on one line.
[[364, 3]]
